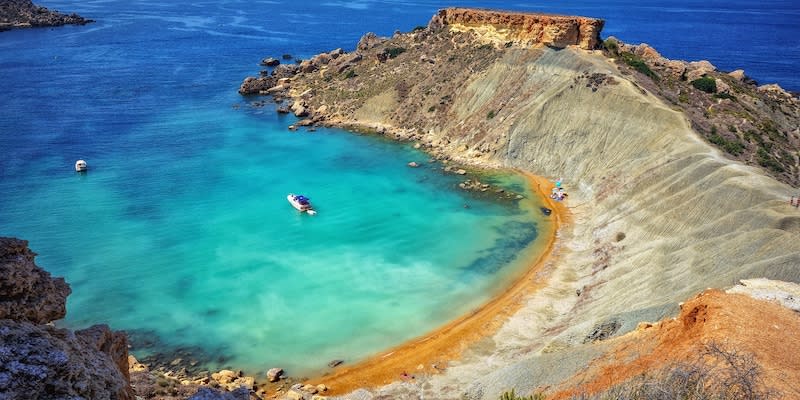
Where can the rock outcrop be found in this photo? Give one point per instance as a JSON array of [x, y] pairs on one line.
[[25, 14], [529, 28], [40, 361]]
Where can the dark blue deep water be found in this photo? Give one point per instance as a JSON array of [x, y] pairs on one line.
[[180, 233]]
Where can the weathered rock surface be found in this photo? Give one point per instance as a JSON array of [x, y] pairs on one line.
[[25, 14], [43, 362], [529, 28], [27, 292]]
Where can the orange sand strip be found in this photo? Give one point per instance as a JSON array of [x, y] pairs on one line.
[[448, 342]]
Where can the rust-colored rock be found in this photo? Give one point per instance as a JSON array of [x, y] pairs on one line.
[[530, 28]]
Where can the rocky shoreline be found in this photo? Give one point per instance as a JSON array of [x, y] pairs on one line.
[[15, 14]]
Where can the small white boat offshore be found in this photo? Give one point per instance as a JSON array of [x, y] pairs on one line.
[[301, 203], [80, 166]]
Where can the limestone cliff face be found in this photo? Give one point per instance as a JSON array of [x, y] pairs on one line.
[[530, 28], [39, 361]]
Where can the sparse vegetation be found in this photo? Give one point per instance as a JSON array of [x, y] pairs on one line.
[[393, 52], [705, 84], [724, 95], [490, 115], [611, 45], [734, 147], [718, 374], [512, 396], [768, 161], [638, 64], [349, 74], [419, 28]]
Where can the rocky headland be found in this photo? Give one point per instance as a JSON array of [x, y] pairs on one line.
[[681, 178], [25, 14]]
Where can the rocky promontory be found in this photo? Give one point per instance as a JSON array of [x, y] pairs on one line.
[[25, 14]]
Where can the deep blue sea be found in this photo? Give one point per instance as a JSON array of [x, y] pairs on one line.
[[180, 233]]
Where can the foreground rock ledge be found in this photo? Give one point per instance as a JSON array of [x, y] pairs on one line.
[[39, 361]]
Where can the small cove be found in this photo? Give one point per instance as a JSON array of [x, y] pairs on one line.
[[181, 234]]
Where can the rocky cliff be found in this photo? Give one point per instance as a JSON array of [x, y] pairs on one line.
[[661, 210], [25, 14], [39, 361], [528, 28]]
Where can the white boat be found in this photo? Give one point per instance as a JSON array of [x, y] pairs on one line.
[[80, 166], [301, 203]]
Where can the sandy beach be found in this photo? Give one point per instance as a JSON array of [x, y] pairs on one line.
[[430, 354]]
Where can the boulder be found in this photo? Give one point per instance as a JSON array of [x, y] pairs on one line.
[[368, 41], [321, 59], [299, 109], [336, 53], [722, 87], [307, 66], [258, 85], [412, 164], [274, 374], [774, 88], [738, 75], [648, 53], [270, 62], [698, 69]]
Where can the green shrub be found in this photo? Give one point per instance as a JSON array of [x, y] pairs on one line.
[[419, 28], [611, 45], [349, 74], [393, 52], [431, 108], [706, 84], [767, 161], [731, 146], [490, 115], [638, 64]]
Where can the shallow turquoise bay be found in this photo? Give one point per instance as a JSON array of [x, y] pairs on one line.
[[183, 237]]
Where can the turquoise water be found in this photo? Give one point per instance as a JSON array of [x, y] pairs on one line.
[[192, 244], [181, 233]]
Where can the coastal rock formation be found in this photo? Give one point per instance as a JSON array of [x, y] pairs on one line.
[[27, 292], [43, 362], [25, 14], [673, 189], [529, 28]]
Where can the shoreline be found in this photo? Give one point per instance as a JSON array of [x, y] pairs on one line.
[[432, 351]]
